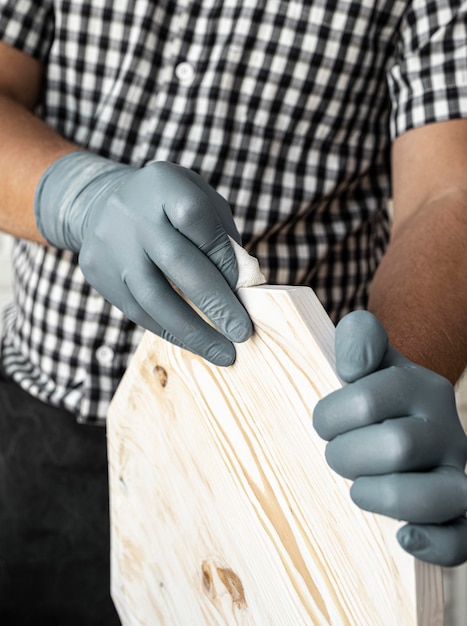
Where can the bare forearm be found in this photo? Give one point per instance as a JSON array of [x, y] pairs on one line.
[[419, 290], [28, 147]]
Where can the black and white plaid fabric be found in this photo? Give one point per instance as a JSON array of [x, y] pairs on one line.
[[286, 107]]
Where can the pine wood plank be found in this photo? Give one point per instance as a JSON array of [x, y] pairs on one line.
[[224, 511]]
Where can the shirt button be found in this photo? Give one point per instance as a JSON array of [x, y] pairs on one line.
[[185, 73], [105, 355]]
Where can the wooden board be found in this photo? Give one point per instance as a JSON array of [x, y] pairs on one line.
[[223, 509]]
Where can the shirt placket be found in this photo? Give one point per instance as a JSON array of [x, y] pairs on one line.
[[175, 77]]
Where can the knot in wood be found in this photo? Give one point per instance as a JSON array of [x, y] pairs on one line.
[[161, 374]]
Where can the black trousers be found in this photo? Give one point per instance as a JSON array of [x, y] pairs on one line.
[[54, 518]]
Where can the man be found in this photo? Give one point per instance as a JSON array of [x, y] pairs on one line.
[[124, 126]]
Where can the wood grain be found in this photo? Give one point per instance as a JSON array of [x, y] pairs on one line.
[[224, 511]]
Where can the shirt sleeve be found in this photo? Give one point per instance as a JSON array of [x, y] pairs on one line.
[[428, 82], [27, 25]]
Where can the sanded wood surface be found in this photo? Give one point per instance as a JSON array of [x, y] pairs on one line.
[[223, 509]]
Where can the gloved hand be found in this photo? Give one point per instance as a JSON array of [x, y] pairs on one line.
[[139, 230], [394, 430]]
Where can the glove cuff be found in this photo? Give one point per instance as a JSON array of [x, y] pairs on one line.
[[66, 193]]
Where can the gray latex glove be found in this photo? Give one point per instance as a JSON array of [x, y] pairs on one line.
[[139, 230], [394, 430]]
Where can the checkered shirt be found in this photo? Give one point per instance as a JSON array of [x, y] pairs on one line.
[[286, 107]]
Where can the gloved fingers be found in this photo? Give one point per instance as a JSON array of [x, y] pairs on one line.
[[431, 497], [114, 291], [379, 396], [443, 544], [397, 445], [361, 342], [199, 223], [134, 312], [138, 288], [122, 266], [161, 302], [199, 280], [195, 211], [220, 204]]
